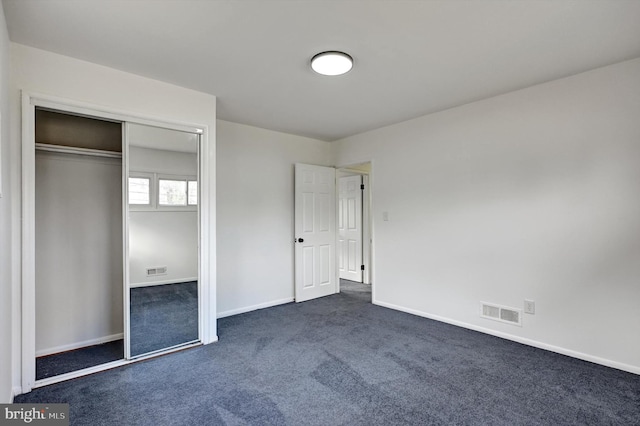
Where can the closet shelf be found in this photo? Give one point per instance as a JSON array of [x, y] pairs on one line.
[[78, 151]]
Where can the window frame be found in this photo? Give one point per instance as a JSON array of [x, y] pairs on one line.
[[183, 178], [152, 191]]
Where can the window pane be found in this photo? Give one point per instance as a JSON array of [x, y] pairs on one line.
[[172, 192], [193, 193], [139, 191]]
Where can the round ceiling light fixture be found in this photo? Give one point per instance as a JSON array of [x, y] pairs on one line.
[[331, 63]]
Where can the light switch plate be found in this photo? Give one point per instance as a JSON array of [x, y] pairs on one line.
[[529, 307]]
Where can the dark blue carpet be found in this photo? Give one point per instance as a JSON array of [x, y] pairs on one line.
[[78, 359], [340, 360], [163, 316]]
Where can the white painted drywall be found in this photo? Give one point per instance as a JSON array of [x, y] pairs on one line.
[[255, 214], [530, 195], [161, 237], [78, 251], [5, 220], [162, 161], [38, 71]]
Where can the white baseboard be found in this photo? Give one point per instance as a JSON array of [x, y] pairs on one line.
[[173, 281], [80, 373], [78, 345], [254, 307], [14, 392], [536, 344]]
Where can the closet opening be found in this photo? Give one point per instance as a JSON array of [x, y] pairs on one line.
[[78, 243], [95, 244]]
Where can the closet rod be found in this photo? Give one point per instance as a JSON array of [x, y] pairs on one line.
[[77, 151]]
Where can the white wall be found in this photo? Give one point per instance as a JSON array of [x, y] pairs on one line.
[[255, 214], [78, 251], [163, 237], [48, 73], [529, 195], [5, 219]]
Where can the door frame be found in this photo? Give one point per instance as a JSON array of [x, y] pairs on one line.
[[343, 214], [27, 326], [367, 241], [367, 219]]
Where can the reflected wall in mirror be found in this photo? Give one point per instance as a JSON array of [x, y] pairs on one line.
[[163, 238]]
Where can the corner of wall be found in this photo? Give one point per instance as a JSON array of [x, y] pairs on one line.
[[6, 362]]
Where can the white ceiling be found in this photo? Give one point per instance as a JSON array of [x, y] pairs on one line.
[[411, 57]]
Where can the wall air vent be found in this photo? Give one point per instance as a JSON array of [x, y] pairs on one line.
[[501, 313], [160, 270]]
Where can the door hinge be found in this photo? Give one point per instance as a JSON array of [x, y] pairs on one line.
[[362, 267], [362, 186]]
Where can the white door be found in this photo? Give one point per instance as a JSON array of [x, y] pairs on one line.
[[350, 228], [315, 232]]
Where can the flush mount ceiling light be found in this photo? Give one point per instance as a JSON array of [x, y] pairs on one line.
[[331, 63]]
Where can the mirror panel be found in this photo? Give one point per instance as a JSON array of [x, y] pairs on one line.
[[163, 238]]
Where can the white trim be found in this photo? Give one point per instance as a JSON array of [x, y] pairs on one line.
[[255, 307], [206, 224], [336, 236], [79, 373], [78, 345], [173, 281], [175, 348], [529, 342], [126, 297], [372, 230], [175, 209], [366, 230], [1, 158], [77, 151], [28, 319], [14, 392], [164, 351]]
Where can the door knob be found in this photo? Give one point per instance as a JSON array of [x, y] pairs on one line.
[[300, 240]]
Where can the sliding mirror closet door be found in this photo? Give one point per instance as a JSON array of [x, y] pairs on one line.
[[163, 256]]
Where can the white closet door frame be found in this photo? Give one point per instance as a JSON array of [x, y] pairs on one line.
[[206, 284]]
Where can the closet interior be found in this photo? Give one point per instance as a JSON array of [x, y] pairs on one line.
[[78, 250]]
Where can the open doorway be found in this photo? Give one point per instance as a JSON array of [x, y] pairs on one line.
[[317, 217], [354, 228]]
